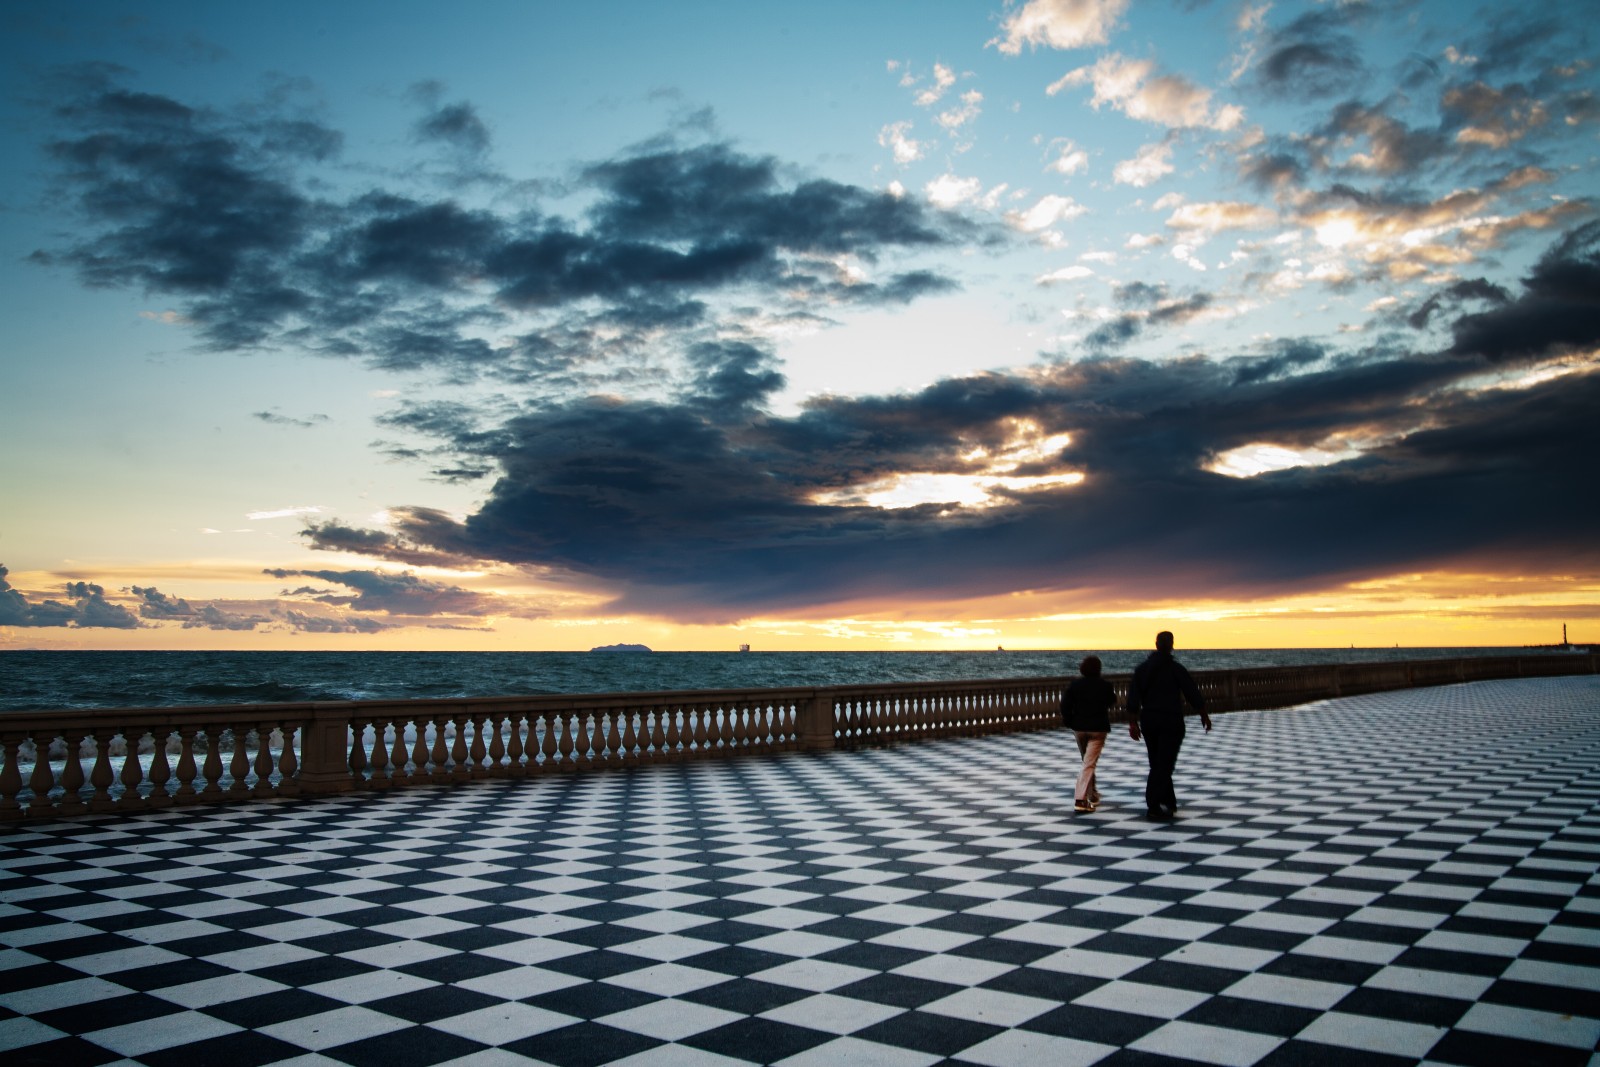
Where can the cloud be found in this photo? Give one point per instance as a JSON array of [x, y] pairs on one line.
[[1149, 165], [1059, 24], [401, 594], [1133, 87], [1070, 160], [276, 419], [1065, 274], [1045, 213], [1316, 54], [211, 617], [89, 608], [943, 78], [703, 513], [158, 605], [230, 215], [897, 138]]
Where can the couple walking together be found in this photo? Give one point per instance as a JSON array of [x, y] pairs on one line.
[[1156, 696]]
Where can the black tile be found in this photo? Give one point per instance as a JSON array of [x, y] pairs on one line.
[[1095, 1024], [1406, 1007], [599, 964], [758, 1040], [157, 976], [107, 1012], [1322, 969], [898, 990], [590, 1000], [62, 1052], [924, 1031], [748, 996], [735, 959], [311, 971], [1492, 1050], [459, 967], [1431, 959], [1190, 976], [872, 957], [582, 1045], [1233, 1013], [602, 935], [417, 1046], [243, 1049], [88, 945], [268, 1008], [1562, 1000], [1004, 950], [434, 1003], [1294, 1053]]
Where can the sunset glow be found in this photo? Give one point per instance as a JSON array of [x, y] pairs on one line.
[[1021, 323]]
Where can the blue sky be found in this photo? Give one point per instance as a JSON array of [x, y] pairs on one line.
[[865, 325]]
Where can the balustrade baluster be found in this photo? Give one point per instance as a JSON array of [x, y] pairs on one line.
[[132, 773], [288, 765], [11, 778], [480, 750], [440, 772], [101, 776], [569, 726], [397, 751], [497, 747], [212, 770], [631, 756], [419, 750], [186, 768], [458, 748], [547, 744], [264, 732], [514, 750], [378, 778], [160, 770], [358, 752], [43, 778], [672, 739], [239, 769], [607, 738], [71, 802], [702, 728]]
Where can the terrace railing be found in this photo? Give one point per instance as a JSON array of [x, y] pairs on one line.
[[142, 759]]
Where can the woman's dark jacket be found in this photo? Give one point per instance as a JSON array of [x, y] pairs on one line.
[[1086, 705]]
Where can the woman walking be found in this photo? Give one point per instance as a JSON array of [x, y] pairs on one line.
[[1086, 711]]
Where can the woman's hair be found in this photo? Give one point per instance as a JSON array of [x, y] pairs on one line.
[[1090, 667]]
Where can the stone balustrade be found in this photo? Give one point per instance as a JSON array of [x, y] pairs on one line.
[[145, 758]]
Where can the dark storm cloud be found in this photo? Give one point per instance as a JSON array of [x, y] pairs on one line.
[[89, 608], [1558, 312], [322, 624], [220, 212], [1153, 306], [158, 605], [718, 512], [1455, 295], [399, 594], [211, 617], [1316, 54]]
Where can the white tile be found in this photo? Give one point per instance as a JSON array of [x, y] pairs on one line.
[[1285, 989], [835, 1015], [532, 950], [260, 957], [670, 1020], [816, 975], [1347, 948], [899, 914], [1090, 963], [667, 947], [219, 990], [1056, 935], [1371, 1034], [1172, 929], [397, 953], [857, 1053], [924, 939], [1140, 998], [991, 1006], [1523, 1024], [123, 959], [22, 1031], [1228, 957], [166, 1031], [667, 979], [671, 1056], [1430, 983], [796, 943], [369, 986], [1208, 1044], [1027, 1047], [1481, 944], [331, 1028], [954, 970], [1566, 975], [502, 1024], [73, 994]]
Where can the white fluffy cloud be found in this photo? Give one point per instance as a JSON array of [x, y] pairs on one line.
[[1059, 24], [1045, 214], [896, 137], [1070, 160], [1065, 274], [943, 78], [1133, 87], [948, 191], [1149, 165]]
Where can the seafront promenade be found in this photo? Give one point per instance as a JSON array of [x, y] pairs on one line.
[[1396, 877]]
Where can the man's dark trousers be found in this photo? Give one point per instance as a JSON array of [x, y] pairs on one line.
[[1163, 736]]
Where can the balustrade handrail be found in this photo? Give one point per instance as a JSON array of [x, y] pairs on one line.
[[292, 748]]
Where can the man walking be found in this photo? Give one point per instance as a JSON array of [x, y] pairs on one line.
[[1155, 705]]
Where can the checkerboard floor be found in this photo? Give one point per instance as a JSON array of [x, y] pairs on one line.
[[1397, 878]]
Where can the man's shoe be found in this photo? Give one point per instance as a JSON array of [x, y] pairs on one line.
[[1157, 815]]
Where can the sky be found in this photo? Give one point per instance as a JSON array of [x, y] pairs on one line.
[[505, 325]]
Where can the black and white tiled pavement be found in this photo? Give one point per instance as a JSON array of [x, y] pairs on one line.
[[1397, 878]]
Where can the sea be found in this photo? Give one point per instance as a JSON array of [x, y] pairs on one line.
[[34, 680]]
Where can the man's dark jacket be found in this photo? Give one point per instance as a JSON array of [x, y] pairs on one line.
[[1159, 687]]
